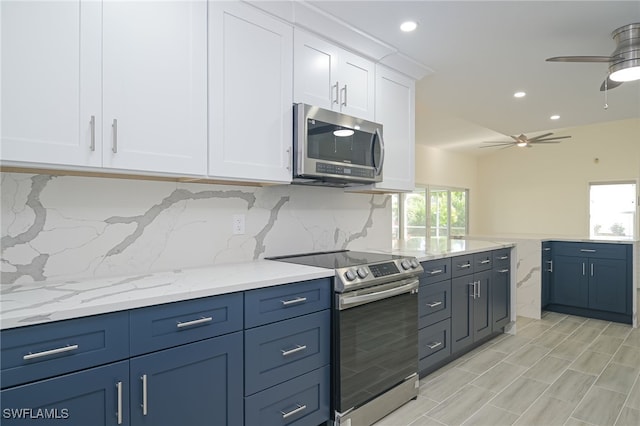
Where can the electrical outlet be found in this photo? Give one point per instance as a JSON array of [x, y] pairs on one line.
[[237, 226]]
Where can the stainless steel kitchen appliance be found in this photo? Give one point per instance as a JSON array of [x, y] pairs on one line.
[[375, 332], [334, 149]]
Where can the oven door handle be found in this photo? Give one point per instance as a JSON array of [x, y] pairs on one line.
[[347, 301]]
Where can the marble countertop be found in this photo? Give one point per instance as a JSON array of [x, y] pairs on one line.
[[36, 303], [454, 247], [549, 237], [41, 302]]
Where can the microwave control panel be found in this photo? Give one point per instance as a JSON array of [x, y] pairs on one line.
[[334, 169]]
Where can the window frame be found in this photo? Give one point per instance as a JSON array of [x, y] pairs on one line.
[[634, 234], [426, 192]]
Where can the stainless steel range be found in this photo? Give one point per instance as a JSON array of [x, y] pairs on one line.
[[375, 332]]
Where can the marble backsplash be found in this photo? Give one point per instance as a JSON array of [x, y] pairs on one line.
[[57, 228]]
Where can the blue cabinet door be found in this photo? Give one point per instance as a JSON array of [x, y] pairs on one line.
[[608, 285], [482, 319], [461, 312], [547, 273], [96, 397], [570, 281], [500, 298], [195, 384]]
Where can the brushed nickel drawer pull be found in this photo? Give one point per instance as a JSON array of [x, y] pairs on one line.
[[114, 142], [436, 271], [293, 301], [119, 412], [503, 257], [587, 250], [299, 408], [92, 126], [434, 304], [484, 262], [298, 348], [56, 351], [434, 345], [144, 395], [465, 265], [194, 322], [502, 271]]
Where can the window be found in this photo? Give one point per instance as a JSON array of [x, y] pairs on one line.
[[612, 210], [447, 216]]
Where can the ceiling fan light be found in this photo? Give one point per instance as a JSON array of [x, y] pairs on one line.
[[521, 144], [626, 74]]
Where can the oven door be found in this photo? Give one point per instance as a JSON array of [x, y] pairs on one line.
[[376, 341]]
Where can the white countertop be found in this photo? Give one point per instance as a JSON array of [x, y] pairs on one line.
[[448, 248], [41, 302], [35, 303]]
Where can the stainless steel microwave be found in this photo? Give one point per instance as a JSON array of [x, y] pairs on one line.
[[335, 149]]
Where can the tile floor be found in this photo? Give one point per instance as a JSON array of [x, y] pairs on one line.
[[561, 370]]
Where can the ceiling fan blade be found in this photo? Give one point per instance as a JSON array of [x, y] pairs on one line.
[[580, 59], [551, 139], [503, 145], [499, 142], [546, 142], [610, 84], [540, 137]]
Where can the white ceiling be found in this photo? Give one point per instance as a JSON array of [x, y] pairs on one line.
[[482, 52]]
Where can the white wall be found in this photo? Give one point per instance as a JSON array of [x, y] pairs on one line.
[[544, 190]]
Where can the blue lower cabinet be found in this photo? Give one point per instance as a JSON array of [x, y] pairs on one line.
[[96, 396], [300, 401], [434, 344], [609, 286], [283, 350], [195, 384]]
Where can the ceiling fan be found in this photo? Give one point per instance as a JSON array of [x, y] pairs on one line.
[[523, 141], [624, 62]]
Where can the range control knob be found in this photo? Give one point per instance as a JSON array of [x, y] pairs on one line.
[[350, 275], [363, 273], [414, 263], [405, 264]]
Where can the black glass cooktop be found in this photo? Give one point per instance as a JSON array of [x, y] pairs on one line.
[[336, 259]]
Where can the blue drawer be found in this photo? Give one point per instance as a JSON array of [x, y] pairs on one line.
[[434, 344], [281, 351], [300, 401], [502, 258], [436, 271], [271, 304], [434, 303], [172, 324], [461, 265], [600, 250], [47, 350], [482, 261]]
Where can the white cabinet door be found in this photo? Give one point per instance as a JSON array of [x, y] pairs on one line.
[[250, 94], [155, 86], [332, 78], [395, 110], [357, 86], [315, 72], [51, 82]]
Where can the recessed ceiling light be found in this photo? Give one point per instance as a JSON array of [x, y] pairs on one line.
[[519, 95], [408, 26], [555, 117]]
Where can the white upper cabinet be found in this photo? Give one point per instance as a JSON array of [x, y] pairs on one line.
[[395, 109], [155, 86], [51, 82], [250, 94], [332, 78], [71, 69]]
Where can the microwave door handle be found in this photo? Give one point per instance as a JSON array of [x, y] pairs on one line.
[[378, 136]]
